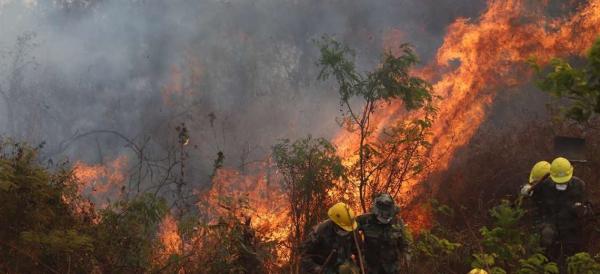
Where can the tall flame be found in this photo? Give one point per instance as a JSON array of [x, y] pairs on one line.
[[169, 238], [492, 54], [477, 59]]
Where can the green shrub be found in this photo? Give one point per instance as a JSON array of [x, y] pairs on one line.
[[582, 263], [43, 229], [126, 237]]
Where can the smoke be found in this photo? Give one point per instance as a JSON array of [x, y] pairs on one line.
[[239, 74]]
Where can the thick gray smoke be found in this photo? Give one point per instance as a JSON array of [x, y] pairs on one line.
[[239, 74]]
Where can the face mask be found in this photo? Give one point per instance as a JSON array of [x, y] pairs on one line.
[[561, 187], [384, 220], [341, 232]]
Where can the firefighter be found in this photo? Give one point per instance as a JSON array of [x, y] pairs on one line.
[[330, 247], [561, 203], [540, 171], [385, 239]]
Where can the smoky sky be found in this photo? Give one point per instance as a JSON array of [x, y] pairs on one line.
[[244, 70]]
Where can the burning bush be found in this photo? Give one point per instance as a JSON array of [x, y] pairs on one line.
[[230, 244], [310, 169], [49, 228]]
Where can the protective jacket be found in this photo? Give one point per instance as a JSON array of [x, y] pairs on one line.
[[324, 250], [383, 244], [559, 207]]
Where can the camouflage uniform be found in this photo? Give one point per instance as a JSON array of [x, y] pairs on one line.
[[324, 250], [560, 215], [384, 242]]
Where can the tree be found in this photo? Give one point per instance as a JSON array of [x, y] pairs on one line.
[[309, 167], [580, 86], [387, 159]]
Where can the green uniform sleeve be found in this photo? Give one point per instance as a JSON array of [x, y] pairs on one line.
[[308, 252]]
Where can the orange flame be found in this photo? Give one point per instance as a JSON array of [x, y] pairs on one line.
[[170, 240], [477, 59], [254, 195], [101, 182], [492, 54]]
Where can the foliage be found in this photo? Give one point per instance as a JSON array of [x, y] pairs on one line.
[[383, 164], [581, 86], [41, 231], [125, 239], [432, 245], [582, 263], [436, 249], [486, 261], [537, 264], [507, 245], [392, 80], [309, 167], [53, 230]]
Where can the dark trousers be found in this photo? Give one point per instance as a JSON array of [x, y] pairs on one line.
[[561, 243]]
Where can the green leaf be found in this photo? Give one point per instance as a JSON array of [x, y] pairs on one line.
[[580, 86]]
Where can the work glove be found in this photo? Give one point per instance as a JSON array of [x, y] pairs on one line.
[[527, 190], [581, 209]]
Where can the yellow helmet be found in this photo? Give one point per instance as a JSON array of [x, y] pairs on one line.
[[342, 215], [539, 170], [561, 170], [478, 271]]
